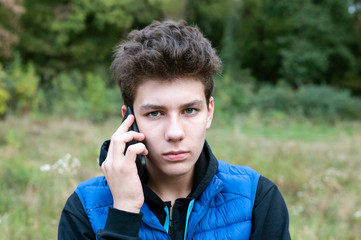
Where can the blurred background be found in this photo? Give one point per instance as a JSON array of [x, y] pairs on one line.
[[287, 102]]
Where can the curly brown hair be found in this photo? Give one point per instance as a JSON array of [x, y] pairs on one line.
[[164, 51]]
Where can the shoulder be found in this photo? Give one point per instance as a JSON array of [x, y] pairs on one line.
[[268, 193], [239, 180], [93, 182], [265, 187], [92, 190], [226, 167], [234, 173], [74, 222]]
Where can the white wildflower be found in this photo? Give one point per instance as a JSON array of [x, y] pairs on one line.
[[357, 214], [45, 168], [4, 219], [334, 172], [67, 164], [299, 194], [75, 163]]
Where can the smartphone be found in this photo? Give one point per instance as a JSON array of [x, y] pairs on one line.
[[140, 160]]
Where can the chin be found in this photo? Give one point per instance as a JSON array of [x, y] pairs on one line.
[[178, 170]]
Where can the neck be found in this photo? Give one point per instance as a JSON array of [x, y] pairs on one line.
[[170, 188]]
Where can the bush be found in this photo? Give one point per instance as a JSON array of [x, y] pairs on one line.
[[279, 98], [328, 103], [23, 84], [232, 92], [70, 93], [323, 103], [99, 102], [65, 93], [83, 95]]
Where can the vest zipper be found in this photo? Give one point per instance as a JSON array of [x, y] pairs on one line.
[[167, 221]]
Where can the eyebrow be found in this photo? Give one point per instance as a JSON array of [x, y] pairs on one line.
[[194, 103], [150, 106]]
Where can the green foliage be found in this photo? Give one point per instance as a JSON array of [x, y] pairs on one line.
[[270, 98], [303, 63], [323, 103], [4, 93], [71, 93], [66, 48], [81, 34], [12, 140], [210, 16], [233, 92], [237, 93], [64, 92], [83, 95], [328, 103], [230, 56], [22, 83], [99, 102], [25, 85], [320, 44], [299, 42], [10, 12]]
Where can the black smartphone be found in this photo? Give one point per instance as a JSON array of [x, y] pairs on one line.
[[140, 160]]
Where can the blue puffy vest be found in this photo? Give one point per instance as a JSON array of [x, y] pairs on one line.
[[224, 210]]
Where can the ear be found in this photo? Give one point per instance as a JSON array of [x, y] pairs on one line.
[[210, 112], [124, 109]]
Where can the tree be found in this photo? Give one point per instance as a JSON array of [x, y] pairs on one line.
[[300, 42], [60, 35], [10, 12], [319, 49], [353, 76], [209, 16]]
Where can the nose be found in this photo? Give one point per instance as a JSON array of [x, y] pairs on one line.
[[174, 130]]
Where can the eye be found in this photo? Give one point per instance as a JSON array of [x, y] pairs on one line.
[[154, 114], [190, 111]]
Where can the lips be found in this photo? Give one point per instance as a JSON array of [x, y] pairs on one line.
[[175, 155]]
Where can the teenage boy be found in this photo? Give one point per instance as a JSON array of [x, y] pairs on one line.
[[165, 73]]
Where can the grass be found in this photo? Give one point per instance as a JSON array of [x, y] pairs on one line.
[[316, 166]]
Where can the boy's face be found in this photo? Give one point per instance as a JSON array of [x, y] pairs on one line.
[[174, 117]]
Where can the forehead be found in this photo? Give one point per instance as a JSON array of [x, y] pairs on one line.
[[166, 92]]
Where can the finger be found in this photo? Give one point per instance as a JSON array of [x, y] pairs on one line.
[[125, 125], [118, 142], [133, 150], [123, 128]]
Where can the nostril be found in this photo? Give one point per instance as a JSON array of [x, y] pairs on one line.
[[174, 133]]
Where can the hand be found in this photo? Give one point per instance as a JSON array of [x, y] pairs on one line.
[[121, 171]]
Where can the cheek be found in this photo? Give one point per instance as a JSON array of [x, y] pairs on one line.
[[152, 132], [199, 127], [152, 140]]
